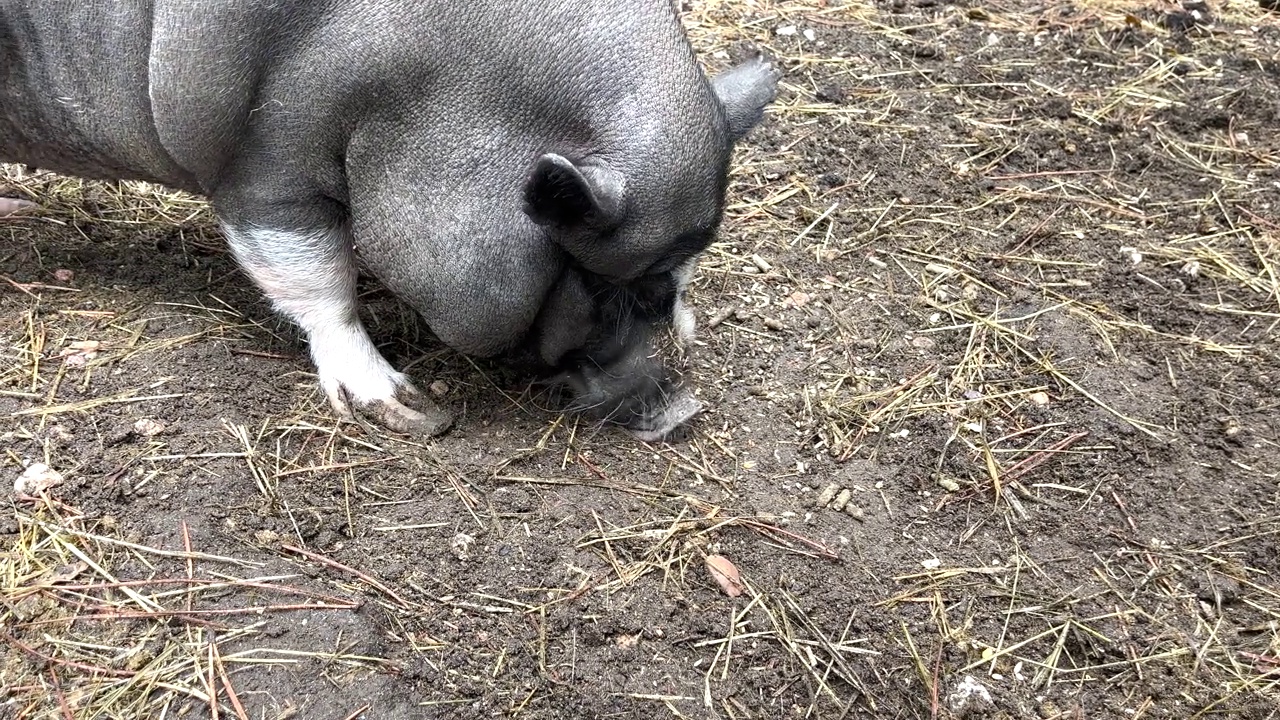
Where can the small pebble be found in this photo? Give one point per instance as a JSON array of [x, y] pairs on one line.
[[147, 427], [461, 545], [797, 299], [36, 479], [841, 500], [719, 317], [855, 512], [827, 495]]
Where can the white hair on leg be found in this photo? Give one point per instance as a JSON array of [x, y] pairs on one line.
[[311, 279]]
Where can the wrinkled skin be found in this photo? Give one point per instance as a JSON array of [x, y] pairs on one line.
[[535, 179]]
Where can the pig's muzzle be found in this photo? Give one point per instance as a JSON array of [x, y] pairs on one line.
[[636, 392], [681, 409]]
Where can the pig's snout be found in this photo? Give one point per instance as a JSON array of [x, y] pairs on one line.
[[681, 409], [636, 392]]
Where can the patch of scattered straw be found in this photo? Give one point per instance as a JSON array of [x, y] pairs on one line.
[[84, 640]]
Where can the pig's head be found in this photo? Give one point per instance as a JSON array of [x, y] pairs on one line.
[[631, 223], [553, 217]]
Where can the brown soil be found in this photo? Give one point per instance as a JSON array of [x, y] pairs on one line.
[[1008, 277]]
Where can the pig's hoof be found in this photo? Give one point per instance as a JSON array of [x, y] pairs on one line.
[[408, 411], [396, 416]]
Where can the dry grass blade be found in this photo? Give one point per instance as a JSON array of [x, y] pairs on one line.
[[133, 647]]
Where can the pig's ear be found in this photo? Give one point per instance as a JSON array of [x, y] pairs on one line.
[[566, 195], [744, 90]]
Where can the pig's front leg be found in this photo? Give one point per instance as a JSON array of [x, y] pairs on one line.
[[311, 278]]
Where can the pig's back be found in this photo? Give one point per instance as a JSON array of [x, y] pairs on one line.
[[74, 90]]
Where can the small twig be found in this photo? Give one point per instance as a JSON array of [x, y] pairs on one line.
[[53, 529], [774, 529], [206, 584], [59, 661], [594, 470], [191, 566], [1039, 457], [209, 681], [937, 680], [25, 287], [339, 566], [62, 697], [1259, 660], [255, 353], [226, 680], [109, 613], [1027, 237], [814, 224], [355, 714], [1124, 510]]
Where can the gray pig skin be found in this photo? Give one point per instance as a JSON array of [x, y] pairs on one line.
[[537, 179]]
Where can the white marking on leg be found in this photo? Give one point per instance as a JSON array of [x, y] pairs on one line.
[[312, 280]]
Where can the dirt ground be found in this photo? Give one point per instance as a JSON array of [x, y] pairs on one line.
[[989, 348]]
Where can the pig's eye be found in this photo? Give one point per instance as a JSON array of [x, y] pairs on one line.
[[681, 249], [662, 267]]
